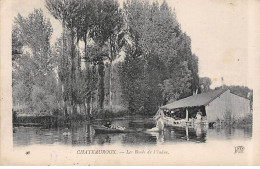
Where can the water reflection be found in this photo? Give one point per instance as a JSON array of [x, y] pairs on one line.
[[84, 134]]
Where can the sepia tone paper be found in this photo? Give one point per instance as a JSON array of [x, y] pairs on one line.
[[214, 152]]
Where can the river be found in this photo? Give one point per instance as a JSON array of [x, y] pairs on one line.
[[83, 134]]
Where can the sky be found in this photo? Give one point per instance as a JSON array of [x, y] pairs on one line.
[[223, 35]]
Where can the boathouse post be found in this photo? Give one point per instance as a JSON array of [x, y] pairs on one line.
[[187, 115], [187, 132]]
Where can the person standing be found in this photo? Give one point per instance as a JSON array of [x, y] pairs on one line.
[[199, 115], [160, 122]]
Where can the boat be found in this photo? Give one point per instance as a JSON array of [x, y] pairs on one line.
[[66, 132], [155, 129], [113, 130], [106, 130]]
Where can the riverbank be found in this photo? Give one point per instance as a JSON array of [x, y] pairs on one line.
[[75, 119], [59, 120]]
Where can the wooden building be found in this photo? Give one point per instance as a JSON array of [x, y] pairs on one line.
[[217, 105]]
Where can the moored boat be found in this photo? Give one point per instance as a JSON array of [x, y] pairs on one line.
[[113, 130], [106, 130]]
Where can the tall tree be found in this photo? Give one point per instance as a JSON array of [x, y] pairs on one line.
[[115, 39], [85, 23], [131, 75], [33, 34], [165, 50], [108, 23], [66, 12], [178, 85]]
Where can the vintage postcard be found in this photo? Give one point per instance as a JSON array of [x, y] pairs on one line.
[[130, 82]]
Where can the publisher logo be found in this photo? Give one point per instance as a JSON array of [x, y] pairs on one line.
[[239, 149]]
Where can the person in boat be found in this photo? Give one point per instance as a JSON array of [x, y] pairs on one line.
[[167, 113], [66, 132], [108, 124]]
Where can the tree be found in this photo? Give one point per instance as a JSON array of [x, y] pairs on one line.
[[193, 66], [60, 51], [157, 65], [131, 80], [178, 85], [169, 70], [66, 12], [16, 43], [106, 34], [205, 83], [85, 24], [34, 66], [192, 61]]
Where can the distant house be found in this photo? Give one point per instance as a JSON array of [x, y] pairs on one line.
[[214, 105]]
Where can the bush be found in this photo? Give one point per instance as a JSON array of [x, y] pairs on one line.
[[246, 121], [43, 102], [229, 120], [232, 121], [110, 114]]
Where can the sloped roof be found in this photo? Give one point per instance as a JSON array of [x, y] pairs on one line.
[[195, 100]]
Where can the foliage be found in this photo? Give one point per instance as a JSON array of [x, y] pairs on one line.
[[178, 85], [135, 57], [205, 83], [42, 102], [167, 70], [246, 121], [131, 80], [232, 121], [242, 91], [33, 75]]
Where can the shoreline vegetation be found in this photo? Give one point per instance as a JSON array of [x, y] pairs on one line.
[[110, 61], [41, 121], [38, 121]]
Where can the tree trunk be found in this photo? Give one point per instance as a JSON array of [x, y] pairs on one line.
[[91, 104], [68, 108], [79, 109], [64, 101], [112, 57], [84, 107], [79, 60], [88, 105], [110, 85], [88, 78], [64, 64], [101, 91], [85, 50], [73, 75]]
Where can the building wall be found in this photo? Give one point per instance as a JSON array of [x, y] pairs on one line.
[[227, 103], [240, 106], [218, 107]]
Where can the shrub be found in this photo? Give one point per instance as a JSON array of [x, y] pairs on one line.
[[106, 113], [232, 121], [246, 121]]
